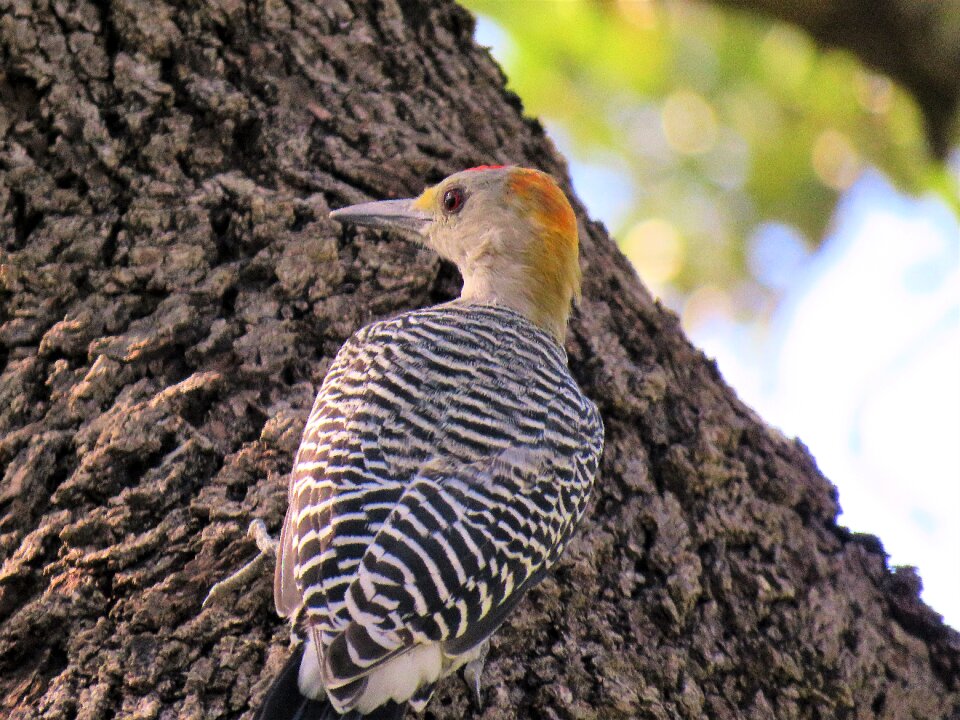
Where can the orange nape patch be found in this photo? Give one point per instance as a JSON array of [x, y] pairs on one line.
[[543, 199], [554, 260]]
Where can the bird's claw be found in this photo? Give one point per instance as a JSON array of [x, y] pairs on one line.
[[473, 670], [267, 546], [265, 541]]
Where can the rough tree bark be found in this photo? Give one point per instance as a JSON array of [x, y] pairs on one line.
[[171, 293]]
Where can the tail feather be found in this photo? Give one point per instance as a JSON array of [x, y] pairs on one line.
[[284, 701]]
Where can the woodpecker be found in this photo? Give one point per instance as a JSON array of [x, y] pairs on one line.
[[447, 459]]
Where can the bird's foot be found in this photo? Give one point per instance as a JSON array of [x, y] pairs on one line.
[[268, 548], [472, 671]]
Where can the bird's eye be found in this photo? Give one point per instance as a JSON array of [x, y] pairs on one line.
[[453, 200]]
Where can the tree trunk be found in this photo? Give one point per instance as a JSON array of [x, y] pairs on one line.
[[171, 294]]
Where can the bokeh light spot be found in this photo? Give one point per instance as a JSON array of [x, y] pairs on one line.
[[656, 251], [787, 56], [874, 92], [835, 160], [689, 123], [641, 14]]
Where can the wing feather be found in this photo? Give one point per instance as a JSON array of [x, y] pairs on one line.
[[286, 594], [475, 538]]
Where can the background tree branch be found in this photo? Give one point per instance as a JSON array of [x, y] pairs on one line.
[[171, 294], [915, 43]]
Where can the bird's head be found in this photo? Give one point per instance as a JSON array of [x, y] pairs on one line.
[[510, 231]]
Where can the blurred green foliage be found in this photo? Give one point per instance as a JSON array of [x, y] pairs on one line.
[[722, 121]]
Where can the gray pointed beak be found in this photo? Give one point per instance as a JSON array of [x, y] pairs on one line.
[[399, 215]]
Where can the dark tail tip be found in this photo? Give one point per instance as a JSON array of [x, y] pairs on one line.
[[284, 701]]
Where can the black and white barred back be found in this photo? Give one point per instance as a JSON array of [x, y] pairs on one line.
[[444, 465]]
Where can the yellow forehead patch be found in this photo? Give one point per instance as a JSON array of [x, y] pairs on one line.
[[426, 199]]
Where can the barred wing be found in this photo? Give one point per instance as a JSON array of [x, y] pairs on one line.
[[457, 554]]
